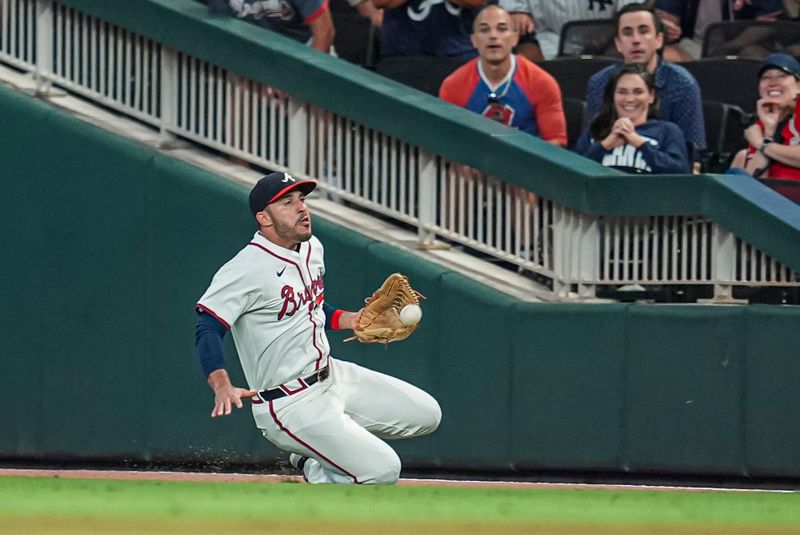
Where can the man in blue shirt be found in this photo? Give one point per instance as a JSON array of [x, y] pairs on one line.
[[428, 27], [640, 36]]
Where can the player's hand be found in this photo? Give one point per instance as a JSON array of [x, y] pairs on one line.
[[228, 396], [225, 394]]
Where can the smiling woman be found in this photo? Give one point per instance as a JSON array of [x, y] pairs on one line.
[[772, 151], [626, 134]]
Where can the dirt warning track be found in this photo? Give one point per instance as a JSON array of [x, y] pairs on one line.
[[282, 478]]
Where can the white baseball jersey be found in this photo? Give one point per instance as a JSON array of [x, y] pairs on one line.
[[551, 15], [271, 299]]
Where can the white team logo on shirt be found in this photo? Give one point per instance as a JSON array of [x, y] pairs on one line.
[[424, 9], [629, 156]]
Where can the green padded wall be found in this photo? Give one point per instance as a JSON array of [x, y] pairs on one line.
[[683, 389], [582, 389]]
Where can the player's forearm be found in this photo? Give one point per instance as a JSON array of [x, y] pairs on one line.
[[209, 333], [219, 380], [347, 320], [338, 319]]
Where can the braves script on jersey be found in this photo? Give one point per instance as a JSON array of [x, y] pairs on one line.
[[271, 299]]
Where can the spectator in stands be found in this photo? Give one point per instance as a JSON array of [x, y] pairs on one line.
[[307, 21], [685, 23], [791, 9], [639, 38], [368, 10], [774, 139], [505, 87], [539, 22], [626, 134], [427, 27]]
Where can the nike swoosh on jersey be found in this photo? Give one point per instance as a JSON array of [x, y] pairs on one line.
[[279, 273]]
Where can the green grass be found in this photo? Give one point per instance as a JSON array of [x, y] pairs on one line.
[[31, 498]]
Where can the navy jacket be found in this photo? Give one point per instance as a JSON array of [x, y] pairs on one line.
[[664, 153]]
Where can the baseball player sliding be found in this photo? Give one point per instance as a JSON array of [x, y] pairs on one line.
[[329, 414]]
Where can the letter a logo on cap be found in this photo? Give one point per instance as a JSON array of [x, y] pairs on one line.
[[287, 178]]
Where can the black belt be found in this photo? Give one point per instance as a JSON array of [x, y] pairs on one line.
[[275, 393]]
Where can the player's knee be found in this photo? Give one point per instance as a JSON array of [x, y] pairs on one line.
[[384, 469], [431, 419], [436, 416], [389, 472]]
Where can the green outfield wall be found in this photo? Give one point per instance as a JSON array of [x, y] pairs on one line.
[[106, 245]]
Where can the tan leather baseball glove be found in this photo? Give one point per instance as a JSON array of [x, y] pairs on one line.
[[380, 320]]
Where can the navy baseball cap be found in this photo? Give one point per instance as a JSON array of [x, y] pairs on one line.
[[272, 187], [784, 62]]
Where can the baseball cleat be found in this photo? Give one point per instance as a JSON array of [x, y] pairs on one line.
[[299, 462]]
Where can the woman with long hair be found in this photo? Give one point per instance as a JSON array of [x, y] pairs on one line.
[[626, 133]]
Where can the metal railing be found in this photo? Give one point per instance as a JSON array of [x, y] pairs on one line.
[[183, 96]]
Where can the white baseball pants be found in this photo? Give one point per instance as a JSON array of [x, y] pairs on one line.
[[339, 423]]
